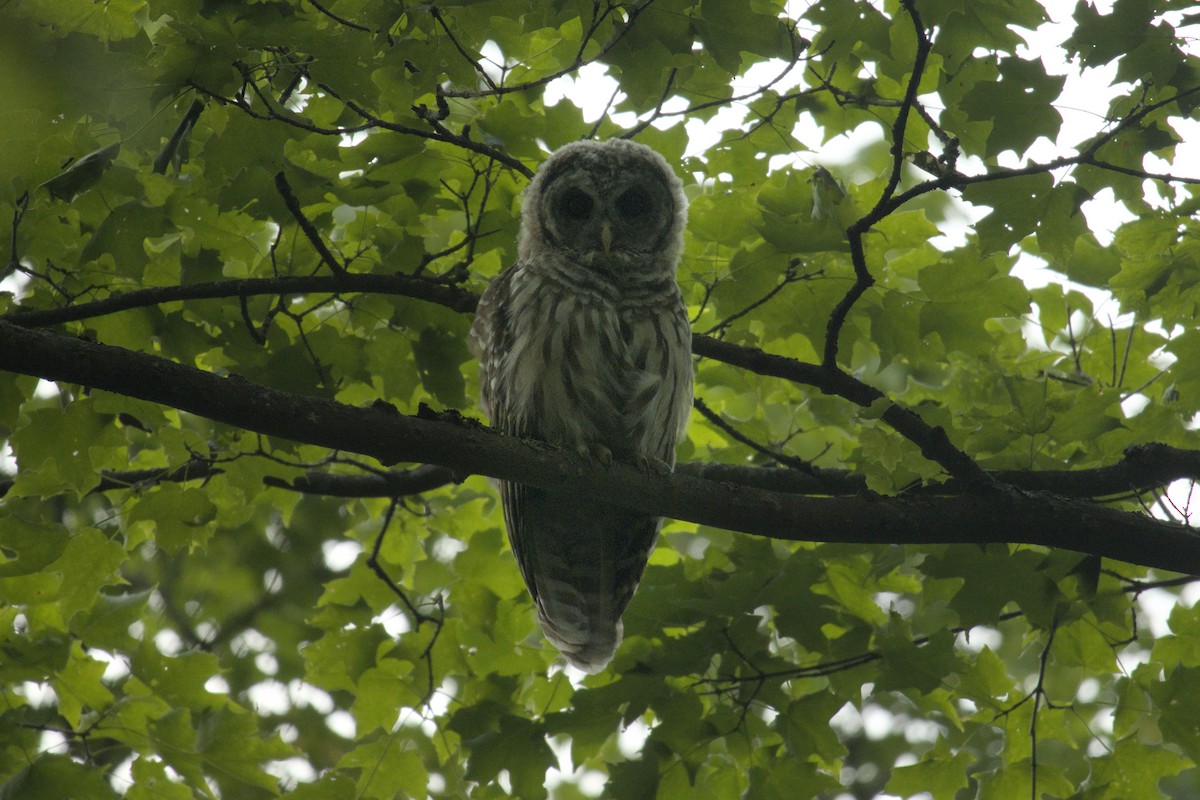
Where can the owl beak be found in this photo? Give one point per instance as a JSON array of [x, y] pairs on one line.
[[606, 236]]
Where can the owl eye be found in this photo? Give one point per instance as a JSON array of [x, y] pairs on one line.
[[576, 204], [633, 202]]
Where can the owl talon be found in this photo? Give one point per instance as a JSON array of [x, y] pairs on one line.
[[653, 466], [596, 451]]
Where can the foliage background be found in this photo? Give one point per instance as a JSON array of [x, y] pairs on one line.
[[309, 196]]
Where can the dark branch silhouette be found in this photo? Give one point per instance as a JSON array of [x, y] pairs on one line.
[[466, 447]]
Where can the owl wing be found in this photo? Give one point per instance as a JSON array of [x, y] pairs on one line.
[[490, 338], [660, 402], [490, 341]]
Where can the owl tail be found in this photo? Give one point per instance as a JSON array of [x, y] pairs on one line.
[[582, 561], [588, 580], [589, 647], [579, 609]]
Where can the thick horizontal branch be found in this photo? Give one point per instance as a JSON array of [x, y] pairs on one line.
[[1144, 467], [467, 448], [1152, 466], [932, 441]]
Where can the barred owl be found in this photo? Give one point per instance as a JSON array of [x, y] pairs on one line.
[[584, 343]]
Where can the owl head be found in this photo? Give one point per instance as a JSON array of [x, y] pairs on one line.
[[614, 206]]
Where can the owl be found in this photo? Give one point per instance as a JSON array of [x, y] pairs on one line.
[[584, 343]]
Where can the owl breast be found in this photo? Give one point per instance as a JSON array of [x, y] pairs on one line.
[[595, 365]]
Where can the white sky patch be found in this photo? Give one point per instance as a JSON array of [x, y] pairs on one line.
[[269, 697], [848, 721], [1128, 660], [292, 770], [394, 620], [168, 642], [217, 685], [305, 695], [631, 740], [445, 548], [589, 782], [266, 663], [492, 60], [46, 390], [591, 89], [340, 555], [341, 723], [115, 668], [16, 284], [121, 777], [1156, 606], [977, 638]]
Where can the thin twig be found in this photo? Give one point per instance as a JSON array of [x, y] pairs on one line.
[[781, 458], [436, 13], [14, 258], [632, 12], [340, 20], [863, 280], [310, 230], [419, 617], [789, 277]]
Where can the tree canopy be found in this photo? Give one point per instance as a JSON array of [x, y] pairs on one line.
[[945, 318]]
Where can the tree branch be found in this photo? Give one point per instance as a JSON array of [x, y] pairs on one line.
[[310, 231], [420, 288], [863, 279], [1008, 515], [1144, 467], [932, 441], [632, 13], [396, 483]]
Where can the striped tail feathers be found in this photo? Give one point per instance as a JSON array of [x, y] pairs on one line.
[[588, 643], [582, 561]]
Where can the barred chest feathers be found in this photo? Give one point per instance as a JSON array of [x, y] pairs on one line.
[[598, 366]]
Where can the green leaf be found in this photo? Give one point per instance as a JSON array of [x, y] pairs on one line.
[[151, 782], [805, 727], [1019, 104], [941, 774], [964, 293], [907, 665], [57, 776], [229, 739], [58, 449], [380, 692], [518, 746], [1017, 206], [27, 546], [180, 517], [438, 353], [78, 687]]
